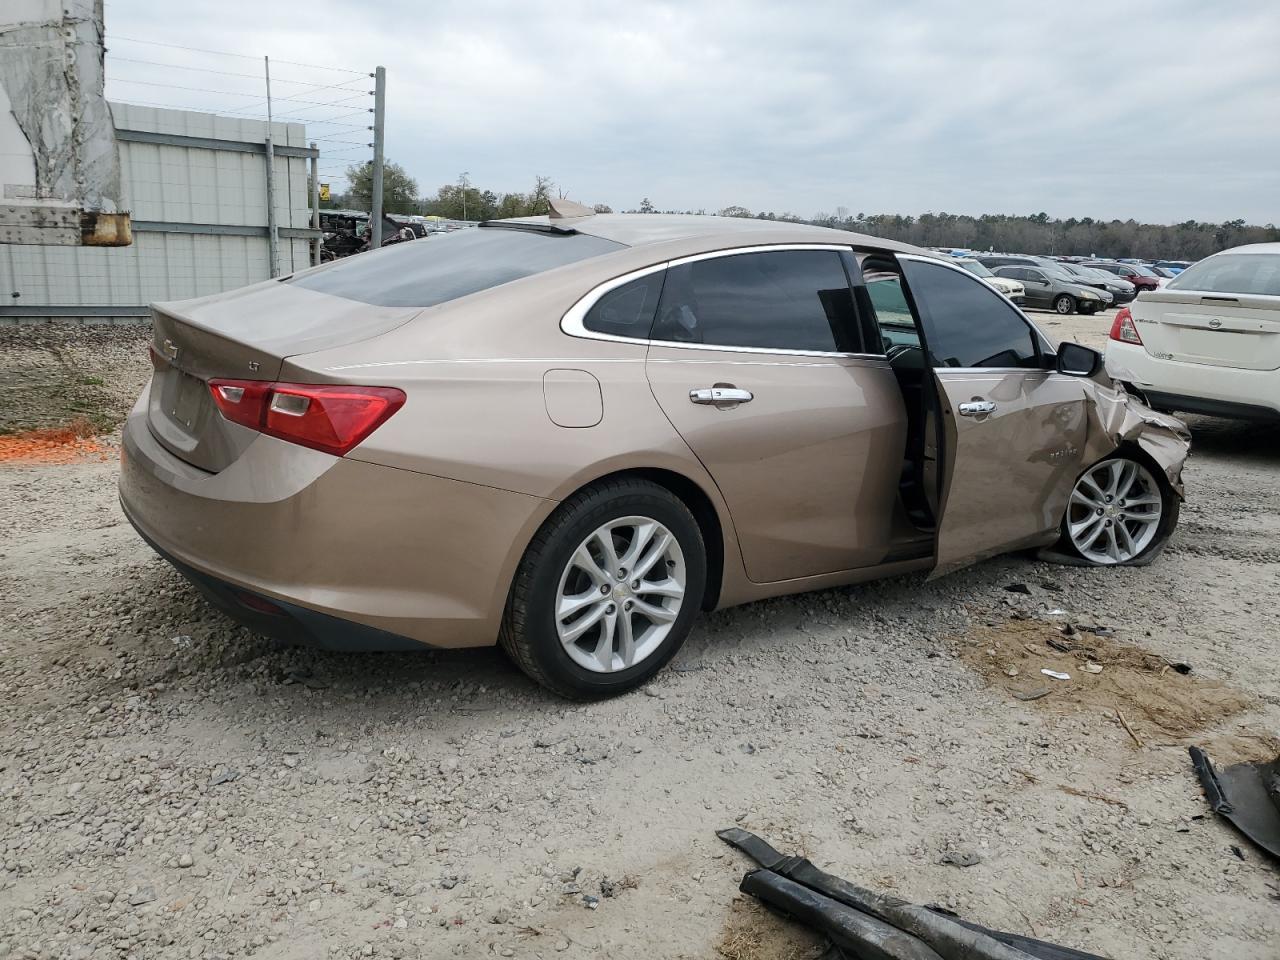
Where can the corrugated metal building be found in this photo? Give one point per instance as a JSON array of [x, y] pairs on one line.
[[196, 185]]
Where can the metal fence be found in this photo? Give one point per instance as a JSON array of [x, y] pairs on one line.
[[196, 185]]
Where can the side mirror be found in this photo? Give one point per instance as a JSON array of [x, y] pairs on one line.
[[1075, 360]]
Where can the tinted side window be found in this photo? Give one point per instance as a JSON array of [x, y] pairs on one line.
[[779, 300], [628, 310], [966, 323]]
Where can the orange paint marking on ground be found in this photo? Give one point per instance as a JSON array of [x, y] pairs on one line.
[[73, 443]]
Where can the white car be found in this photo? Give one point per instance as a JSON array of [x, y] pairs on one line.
[[1209, 340], [1012, 289]]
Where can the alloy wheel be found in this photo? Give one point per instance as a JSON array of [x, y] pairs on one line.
[[1115, 510], [620, 594], [1063, 304]]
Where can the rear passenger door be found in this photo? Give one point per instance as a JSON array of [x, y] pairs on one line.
[[758, 360], [1013, 429]]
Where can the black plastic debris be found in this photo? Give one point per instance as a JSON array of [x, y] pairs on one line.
[[864, 925], [960, 858], [1247, 795]]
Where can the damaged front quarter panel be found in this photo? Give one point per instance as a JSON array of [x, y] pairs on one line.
[[1116, 418]]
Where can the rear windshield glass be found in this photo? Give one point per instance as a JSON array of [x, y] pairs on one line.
[[1232, 273], [425, 272]]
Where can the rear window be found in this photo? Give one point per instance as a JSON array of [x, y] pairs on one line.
[[423, 273], [1257, 273]]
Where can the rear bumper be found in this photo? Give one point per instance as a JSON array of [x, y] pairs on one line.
[[286, 622], [358, 556], [1196, 387]]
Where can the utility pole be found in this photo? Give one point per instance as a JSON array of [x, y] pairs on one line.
[[379, 121], [315, 204], [273, 229]]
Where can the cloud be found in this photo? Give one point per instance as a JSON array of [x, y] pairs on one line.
[[1161, 111]]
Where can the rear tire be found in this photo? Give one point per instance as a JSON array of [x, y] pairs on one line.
[[582, 624], [1064, 304]]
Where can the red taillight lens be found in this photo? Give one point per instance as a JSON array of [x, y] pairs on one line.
[[328, 417], [1124, 329]]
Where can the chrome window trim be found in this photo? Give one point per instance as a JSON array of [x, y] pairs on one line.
[[572, 322]]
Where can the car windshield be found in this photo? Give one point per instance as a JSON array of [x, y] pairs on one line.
[[413, 274], [1256, 273], [974, 267], [1055, 269], [1144, 271]]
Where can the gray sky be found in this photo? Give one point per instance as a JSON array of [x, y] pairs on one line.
[[1162, 111]]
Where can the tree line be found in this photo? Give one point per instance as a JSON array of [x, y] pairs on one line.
[[1034, 233]]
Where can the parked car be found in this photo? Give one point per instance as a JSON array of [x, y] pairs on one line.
[[1010, 288], [1122, 291], [1063, 271], [1173, 266], [1135, 273], [1051, 290], [1209, 342], [1162, 272], [570, 434]]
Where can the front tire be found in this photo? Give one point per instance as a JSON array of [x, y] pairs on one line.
[[607, 591], [1064, 304], [1120, 513]]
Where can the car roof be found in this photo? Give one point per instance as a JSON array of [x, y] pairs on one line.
[[1253, 248], [643, 229]]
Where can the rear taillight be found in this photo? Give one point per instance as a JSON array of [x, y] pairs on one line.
[[329, 417], [1124, 329]]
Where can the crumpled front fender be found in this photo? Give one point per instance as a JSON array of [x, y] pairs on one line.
[[1116, 417]]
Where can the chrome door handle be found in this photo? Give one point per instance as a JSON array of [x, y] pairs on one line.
[[976, 408], [716, 395]]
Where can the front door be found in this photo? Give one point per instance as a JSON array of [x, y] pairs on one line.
[[755, 361], [1013, 431], [1039, 290]]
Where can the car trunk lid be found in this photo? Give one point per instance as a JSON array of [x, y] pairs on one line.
[[245, 334], [1222, 329]]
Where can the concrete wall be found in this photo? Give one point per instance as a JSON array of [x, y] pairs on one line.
[[199, 221]]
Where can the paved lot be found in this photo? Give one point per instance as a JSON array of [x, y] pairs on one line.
[[172, 786]]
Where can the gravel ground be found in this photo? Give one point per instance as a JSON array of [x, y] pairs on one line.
[[173, 786]]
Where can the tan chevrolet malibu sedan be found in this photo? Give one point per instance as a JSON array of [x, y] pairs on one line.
[[570, 434]]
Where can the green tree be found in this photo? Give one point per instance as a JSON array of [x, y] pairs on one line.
[[647, 207], [399, 190], [734, 212], [539, 201]]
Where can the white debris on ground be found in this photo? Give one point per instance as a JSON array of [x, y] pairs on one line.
[[173, 786]]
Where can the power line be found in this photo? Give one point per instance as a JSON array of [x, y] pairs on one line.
[[242, 56], [251, 96], [247, 114], [230, 73]]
